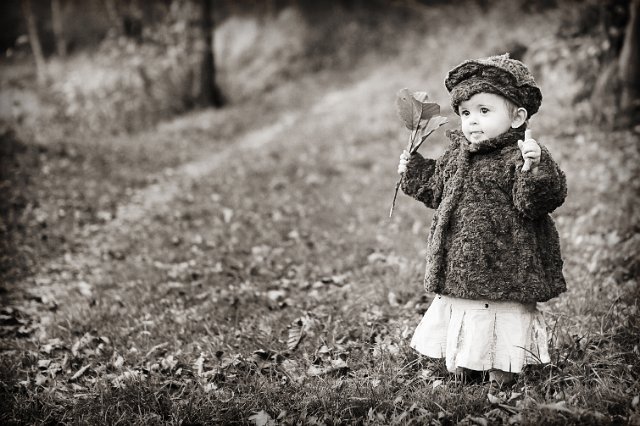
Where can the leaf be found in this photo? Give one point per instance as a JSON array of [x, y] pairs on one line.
[[429, 110], [433, 124], [155, 348], [119, 362], [262, 418], [198, 365], [80, 372], [409, 109], [296, 333], [53, 344], [44, 363], [337, 365], [557, 406], [494, 399], [85, 289], [81, 344], [421, 96]]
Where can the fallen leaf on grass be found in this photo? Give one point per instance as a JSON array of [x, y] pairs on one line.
[[118, 362], [80, 372], [292, 370], [41, 379], [262, 418], [168, 363], [155, 348], [557, 406], [84, 341], [198, 365], [393, 299], [337, 365], [85, 289], [51, 345], [495, 399], [122, 381], [44, 363], [478, 421], [514, 395], [296, 333]]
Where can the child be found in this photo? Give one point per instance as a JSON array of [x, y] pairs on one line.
[[493, 250]]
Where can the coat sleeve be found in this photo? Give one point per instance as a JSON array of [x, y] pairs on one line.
[[424, 178], [540, 193]]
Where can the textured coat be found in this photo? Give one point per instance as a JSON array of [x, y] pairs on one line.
[[491, 235]]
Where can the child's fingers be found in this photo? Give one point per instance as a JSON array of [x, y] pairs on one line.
[[528, 146]]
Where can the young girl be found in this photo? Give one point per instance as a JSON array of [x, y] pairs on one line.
[[493, 249]]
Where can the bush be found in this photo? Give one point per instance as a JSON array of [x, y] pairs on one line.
[[128, 84]]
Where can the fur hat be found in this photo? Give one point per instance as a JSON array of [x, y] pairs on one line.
[[499, 75]]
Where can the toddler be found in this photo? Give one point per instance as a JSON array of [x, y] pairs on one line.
[[493, 250]]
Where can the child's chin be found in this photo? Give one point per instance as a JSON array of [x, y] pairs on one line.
[[477, 138]]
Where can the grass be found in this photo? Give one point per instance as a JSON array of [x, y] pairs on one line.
[[186, 316]]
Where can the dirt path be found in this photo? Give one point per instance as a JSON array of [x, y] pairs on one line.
[[158, 198]]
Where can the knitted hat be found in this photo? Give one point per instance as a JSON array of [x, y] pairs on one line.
[[499, 75]]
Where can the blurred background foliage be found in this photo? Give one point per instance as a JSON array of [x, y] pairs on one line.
[[78, 76], [114, 66]]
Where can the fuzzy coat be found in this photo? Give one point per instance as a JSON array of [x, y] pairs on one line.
[[491, 235]]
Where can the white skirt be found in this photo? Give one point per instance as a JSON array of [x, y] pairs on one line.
[[482, 334]]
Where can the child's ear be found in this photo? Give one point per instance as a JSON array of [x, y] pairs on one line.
[[519, 118]]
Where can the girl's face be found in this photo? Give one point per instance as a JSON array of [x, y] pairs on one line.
[[485, 116]]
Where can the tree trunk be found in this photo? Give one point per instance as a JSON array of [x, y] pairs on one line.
[[34, 41], [629, 65], [210, 94], [58, 27]]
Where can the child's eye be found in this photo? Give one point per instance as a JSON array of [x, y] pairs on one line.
[[465, 113], [484, 110]]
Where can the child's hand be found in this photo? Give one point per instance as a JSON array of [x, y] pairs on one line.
[[404, 159], [530, 152]]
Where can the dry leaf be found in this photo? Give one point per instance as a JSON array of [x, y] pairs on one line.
[[432, 125], [155, 348], [421, 96], [262, 418], [409, 109], [80, 372], [119, 362], [198, 365], [296, 333], [429, 109], [494, 399], [44, 363]]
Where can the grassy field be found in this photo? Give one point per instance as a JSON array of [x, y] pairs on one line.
[[226, 273]]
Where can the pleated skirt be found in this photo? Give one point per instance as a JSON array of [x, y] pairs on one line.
[[482, 335]]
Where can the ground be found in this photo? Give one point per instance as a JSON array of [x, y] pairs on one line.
[[239, 266]]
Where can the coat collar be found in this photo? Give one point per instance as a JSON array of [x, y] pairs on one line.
[[510, 137]]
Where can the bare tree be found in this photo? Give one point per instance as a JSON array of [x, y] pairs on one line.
[[34, 41], [629, 64], [57, 22], [210, 94]]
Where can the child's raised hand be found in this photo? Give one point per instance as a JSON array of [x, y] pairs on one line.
[[404, 159], [530, 152]]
